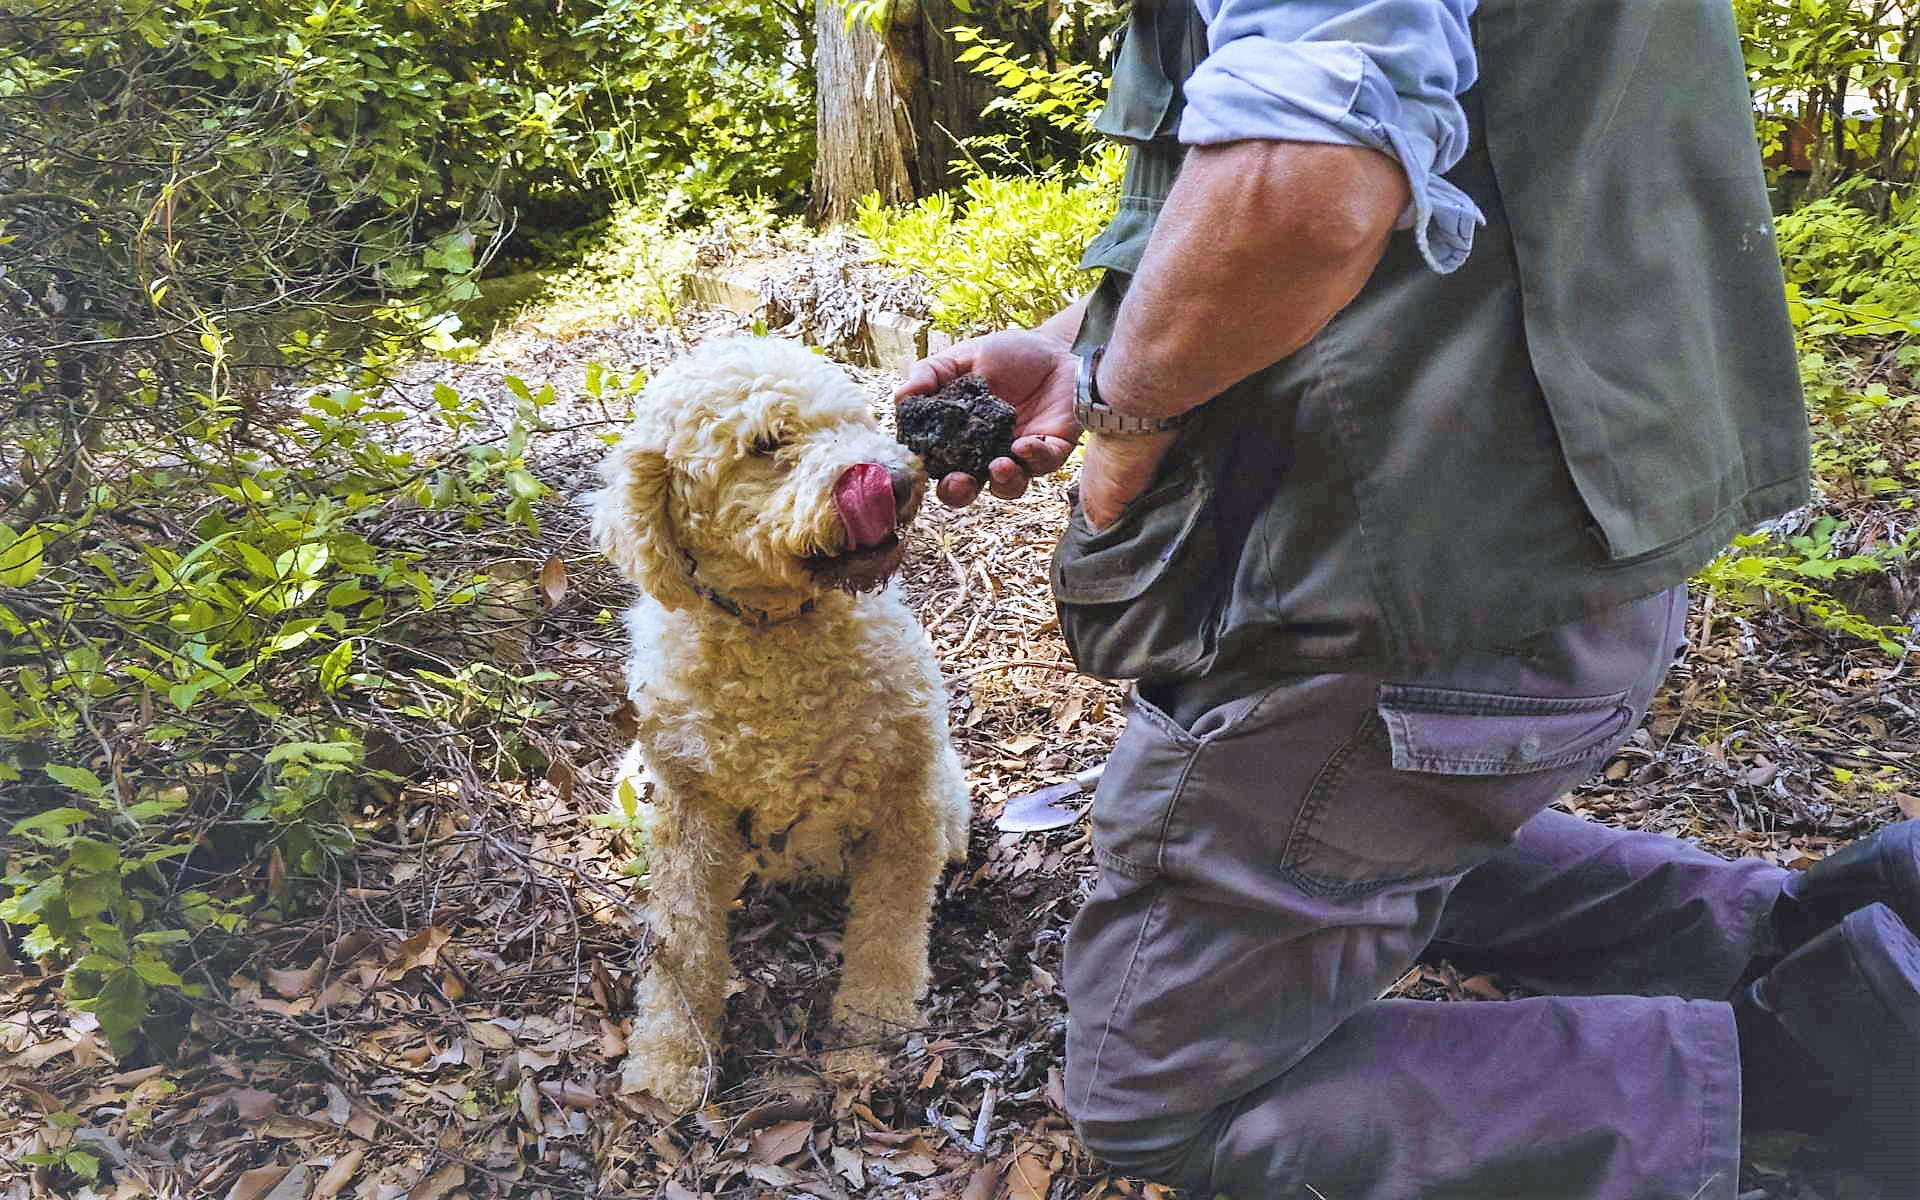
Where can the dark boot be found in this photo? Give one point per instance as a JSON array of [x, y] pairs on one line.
[[1881, 869], [1830, 1044]]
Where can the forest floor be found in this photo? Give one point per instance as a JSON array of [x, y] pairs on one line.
[[448, 1018]]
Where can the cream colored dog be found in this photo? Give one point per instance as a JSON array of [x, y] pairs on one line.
[[790, 723]]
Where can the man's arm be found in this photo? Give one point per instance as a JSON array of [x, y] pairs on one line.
[[1259, 245]]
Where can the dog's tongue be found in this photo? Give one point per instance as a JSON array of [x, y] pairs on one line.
[[864, 496]]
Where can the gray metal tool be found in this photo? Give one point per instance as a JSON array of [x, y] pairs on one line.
[[1048, 808]]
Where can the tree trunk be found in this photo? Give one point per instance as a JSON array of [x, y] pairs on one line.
[[893, 107]]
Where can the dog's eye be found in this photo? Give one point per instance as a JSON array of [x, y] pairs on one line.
[[768, 445]]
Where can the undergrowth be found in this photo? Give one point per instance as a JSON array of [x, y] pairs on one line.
[[219, 642]]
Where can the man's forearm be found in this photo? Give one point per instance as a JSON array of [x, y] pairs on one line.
[[1259, 245]]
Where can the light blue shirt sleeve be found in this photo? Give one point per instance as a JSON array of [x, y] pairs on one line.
[[1379, 73]]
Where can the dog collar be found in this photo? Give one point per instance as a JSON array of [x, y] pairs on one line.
[[758, 618]]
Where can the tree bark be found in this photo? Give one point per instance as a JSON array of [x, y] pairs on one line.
[[893, 107]]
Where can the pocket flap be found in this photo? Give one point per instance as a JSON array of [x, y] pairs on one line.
[[1123, 560], [1451, 732]]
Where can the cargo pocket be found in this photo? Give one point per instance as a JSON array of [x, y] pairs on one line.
[[1137, 599], [1437, 779]]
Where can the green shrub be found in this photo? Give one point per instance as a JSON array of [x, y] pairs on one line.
[[209, 651], [1851, 271], [998, 252]]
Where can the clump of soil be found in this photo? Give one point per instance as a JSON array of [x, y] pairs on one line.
[[961, 427]]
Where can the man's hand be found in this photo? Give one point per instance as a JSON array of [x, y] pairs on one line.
[[1115, 471], [1031, 369]]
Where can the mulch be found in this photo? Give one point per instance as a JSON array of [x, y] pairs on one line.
[[446, 1017]]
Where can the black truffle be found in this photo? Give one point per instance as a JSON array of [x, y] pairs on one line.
[[961, 427]]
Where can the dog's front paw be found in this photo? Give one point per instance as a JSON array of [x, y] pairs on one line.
[[854, 1066], [668, 1075]]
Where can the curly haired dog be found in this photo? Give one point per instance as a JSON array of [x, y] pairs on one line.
[[791, 714]]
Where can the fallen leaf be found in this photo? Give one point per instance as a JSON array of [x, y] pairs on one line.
[[1028, 1178], [490, 1035], [135, 1077], [553, 581], [251, 1104], [420, 950], [1909, 805], [984, 1182], [438, 1184], [1482, 986], [1056, 1089], [571, 1095], [38, 1055], [339, 1174], [291, 983], [254, 1184], [1069, 715], [849, 1165], [778, 1142], [776, 1176], [934, 1067]]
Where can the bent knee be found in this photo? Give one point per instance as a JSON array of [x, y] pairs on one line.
[[1174, 1151]]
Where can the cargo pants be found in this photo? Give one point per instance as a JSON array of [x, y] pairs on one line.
[[1274, 855]]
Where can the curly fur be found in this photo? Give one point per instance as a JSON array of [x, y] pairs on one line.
[[814, 743]]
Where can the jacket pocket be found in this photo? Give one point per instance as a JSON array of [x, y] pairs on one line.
[[1137, 599], [1437, 780]]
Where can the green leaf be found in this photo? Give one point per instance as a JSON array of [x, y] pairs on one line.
[[151, 969], [86, 1166], [335, 666], [121, 1007], [91, 854], [21, 557], [54, 818], [257, 562], [78, 778]]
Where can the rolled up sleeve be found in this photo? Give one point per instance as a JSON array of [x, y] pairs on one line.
[[1385, 74]]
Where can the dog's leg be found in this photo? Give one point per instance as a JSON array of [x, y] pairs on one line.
[[951, 802], [694, 873], [889, 902]]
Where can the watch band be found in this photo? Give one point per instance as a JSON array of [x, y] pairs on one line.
[[1097, 417]]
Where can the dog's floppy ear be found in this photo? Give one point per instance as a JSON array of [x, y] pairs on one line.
[[631, 524]]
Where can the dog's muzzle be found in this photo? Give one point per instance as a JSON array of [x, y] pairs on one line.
[[874, 502]]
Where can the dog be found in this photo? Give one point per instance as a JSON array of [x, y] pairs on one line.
[[791, 715]]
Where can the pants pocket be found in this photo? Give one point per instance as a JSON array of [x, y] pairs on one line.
[[1136, 795], [1438, 779]]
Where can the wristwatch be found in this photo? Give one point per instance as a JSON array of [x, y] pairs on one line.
[[1096, 417]]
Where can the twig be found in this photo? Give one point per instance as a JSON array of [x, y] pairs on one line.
[[1009, 663]]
